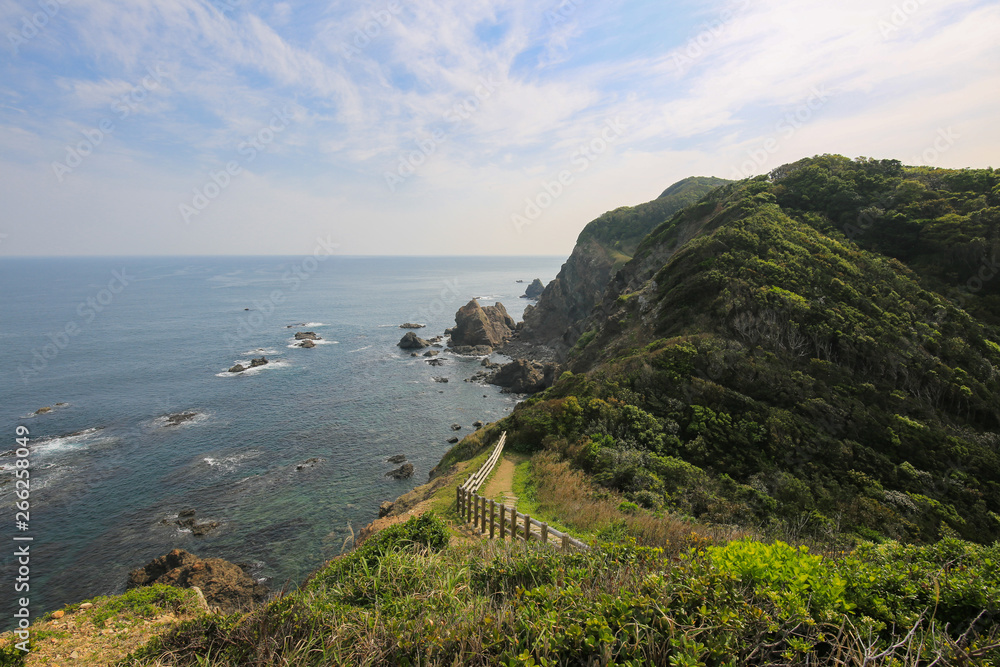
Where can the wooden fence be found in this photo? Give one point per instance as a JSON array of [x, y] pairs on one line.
[[497, 520]]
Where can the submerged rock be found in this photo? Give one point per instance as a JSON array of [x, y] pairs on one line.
[[179, 418], [398, 458], [404, 471]]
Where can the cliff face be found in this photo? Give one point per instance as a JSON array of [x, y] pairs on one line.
[[603, 247]]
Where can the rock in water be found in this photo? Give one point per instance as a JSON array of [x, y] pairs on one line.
[[411, 325], [441, 380], [404, 471], [224, 584], [180, 417], [238, 368], [452, 440], [412, 341], [534, 290], [522, 376], [456, 427], [308, 344], [307, 335], [475, 325], [398, 458], [254, 363]]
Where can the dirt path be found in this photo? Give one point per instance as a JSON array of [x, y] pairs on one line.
[[501, 484]]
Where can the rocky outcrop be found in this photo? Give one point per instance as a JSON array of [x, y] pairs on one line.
[[179, 418], [186, 520], [404, 471], [238, 368], [534, 289], [385, 508], [307, 335], [412, 341], [397, 458], [477, 326], [224, 584], [307, 344], [411, 325], [309, 463], [522, 376]]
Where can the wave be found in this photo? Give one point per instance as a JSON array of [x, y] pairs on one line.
[[366, 347], [261, 350], [273, 364], [70, 441], [295, 343], [164, 421], [229, 463]]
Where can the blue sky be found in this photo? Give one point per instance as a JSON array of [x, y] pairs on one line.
[[459, 127]]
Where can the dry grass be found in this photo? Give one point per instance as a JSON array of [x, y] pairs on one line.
[[567, 497]]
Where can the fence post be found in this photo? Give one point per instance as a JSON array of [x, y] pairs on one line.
[[565, 542], [458, 499], [527, 528], [513, 524], [475, 501], [493, 518], [545, 533], [503, 521]]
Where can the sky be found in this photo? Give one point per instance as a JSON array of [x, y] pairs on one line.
[[455, 127]]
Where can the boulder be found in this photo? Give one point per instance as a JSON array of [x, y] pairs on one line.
[[436, 362], [307, 335], [431, 353], [452, 440], [411, 325], [262, 361], [308, 344], [404, 471], [478, 424], [534, 290], [522, 376], [238, 368], [456, 427], [385, 508], [41, 411], [412, 341], [441, 380], [398, 458], [223, 584], [474, 325]]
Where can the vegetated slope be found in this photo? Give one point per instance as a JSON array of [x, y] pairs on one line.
[[603, 246], [753, 365]]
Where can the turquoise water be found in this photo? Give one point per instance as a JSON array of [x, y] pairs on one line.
[[125, 342]]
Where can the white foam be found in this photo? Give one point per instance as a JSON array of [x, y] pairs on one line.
[[297, 343], [261, 350], [79, 440], [315, 324], [199, 418], [279, 363], [229, 463], [366, 347]]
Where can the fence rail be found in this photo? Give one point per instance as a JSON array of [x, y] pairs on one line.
[[497, 520]]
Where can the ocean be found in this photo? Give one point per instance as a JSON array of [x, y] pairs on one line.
[[116, 345]]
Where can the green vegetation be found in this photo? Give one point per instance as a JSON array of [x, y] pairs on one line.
[[402, 600]]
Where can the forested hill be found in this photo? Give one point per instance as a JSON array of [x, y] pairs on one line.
[[602, 248], [815, 348]]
